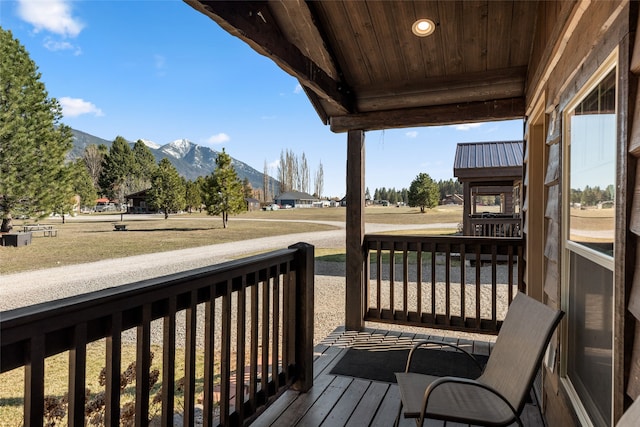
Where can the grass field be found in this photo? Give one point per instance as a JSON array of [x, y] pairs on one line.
[[90, 238]]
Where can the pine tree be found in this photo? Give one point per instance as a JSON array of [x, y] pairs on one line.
[[423, 192], [33, 142], [223, 193], [82, 183], [167, 192], [193, 195], [143, 167], [117, 170]]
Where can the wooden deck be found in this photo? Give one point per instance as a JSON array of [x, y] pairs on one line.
[[349, 401]]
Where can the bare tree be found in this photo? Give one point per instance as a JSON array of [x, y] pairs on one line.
[[265, 183], [319, 184], [303, 175], [93, 157]]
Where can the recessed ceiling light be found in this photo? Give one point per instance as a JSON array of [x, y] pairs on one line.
[[423, 27]]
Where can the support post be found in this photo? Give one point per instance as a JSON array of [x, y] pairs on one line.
[[354, 316], [304, 315], [466, 211]]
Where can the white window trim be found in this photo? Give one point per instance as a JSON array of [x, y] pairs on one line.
[[569, 246]]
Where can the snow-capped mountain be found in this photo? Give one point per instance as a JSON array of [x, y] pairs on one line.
[[191, 160]]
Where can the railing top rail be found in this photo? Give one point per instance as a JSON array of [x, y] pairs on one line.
[[482, 240], [100, 303]]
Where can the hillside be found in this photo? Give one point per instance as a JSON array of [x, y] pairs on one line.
[[191, 160]]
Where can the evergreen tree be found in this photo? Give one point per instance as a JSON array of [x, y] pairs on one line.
[[143, 167], [63, 194], [223, 193], [33, 142], [117, 170], [167, 192], [193, 195], [423, 192], [83, 184]]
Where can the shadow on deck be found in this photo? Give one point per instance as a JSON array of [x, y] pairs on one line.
[[339, 400]]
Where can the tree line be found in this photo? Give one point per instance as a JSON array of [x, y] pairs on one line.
[[36, 179], [394, 196]]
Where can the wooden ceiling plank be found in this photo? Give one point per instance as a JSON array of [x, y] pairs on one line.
[[365, 39], [393, 43], [472, 112], [522, 31], [255, 25], [431, 49], [474, 28], [500, 30], [333, 22], [451, 36]]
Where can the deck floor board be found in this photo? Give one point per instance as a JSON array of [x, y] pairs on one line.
[[336, 400]]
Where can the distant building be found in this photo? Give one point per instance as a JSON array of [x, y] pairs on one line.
[[252, 204], [295, 199], [452, 199], [137, 203]]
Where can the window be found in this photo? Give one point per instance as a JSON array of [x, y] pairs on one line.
[[589, 206]]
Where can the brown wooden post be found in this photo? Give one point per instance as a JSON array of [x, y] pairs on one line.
[[466, 210], [354, 316], [305, 273]]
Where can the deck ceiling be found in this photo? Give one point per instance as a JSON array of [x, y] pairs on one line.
[[363, 68]]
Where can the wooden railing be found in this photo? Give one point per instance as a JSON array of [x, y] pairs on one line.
[[459, 283], [250, 320], [495, 226]]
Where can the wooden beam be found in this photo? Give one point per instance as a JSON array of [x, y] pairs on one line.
[[460, 88], [354, 316], [471, 112], [252, 22]]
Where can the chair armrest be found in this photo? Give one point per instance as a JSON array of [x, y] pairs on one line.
[[465, 381], [425, 342]]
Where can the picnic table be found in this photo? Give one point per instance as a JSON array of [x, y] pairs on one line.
[[119, 227], [46, 229]]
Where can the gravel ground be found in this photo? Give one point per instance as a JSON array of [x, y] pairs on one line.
[[33, 287]]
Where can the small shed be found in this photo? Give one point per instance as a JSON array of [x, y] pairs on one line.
[[137, 203], [491, 169], [295, 199], [252, 204]]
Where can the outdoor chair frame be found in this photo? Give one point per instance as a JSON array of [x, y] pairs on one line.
[[498, 395]]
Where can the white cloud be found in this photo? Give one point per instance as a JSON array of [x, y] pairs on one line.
[[218, 139], [50, 15], [468, 126], [74, 107], [54, 46], [298, 89], [412, 134]]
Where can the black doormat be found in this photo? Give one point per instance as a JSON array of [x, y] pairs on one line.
[[380, 365]]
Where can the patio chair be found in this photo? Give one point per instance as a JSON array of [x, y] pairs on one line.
[[498, 395]]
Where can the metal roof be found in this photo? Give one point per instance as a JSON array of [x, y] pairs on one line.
[[494, 159]]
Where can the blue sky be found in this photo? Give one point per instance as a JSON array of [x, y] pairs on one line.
[[159, 70]]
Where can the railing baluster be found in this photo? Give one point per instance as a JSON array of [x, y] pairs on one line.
[[34, 382], [433, 282], [143, 363], [265, 335], [463, 283], [392, 276], [240, 348], [478, 286], [275, 347], [447, 273], [419, 281], [379, 278], [77, 375], [190, 359], [405, 281], [113, 367], [225, 355], [494, 286], [253, 375]]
